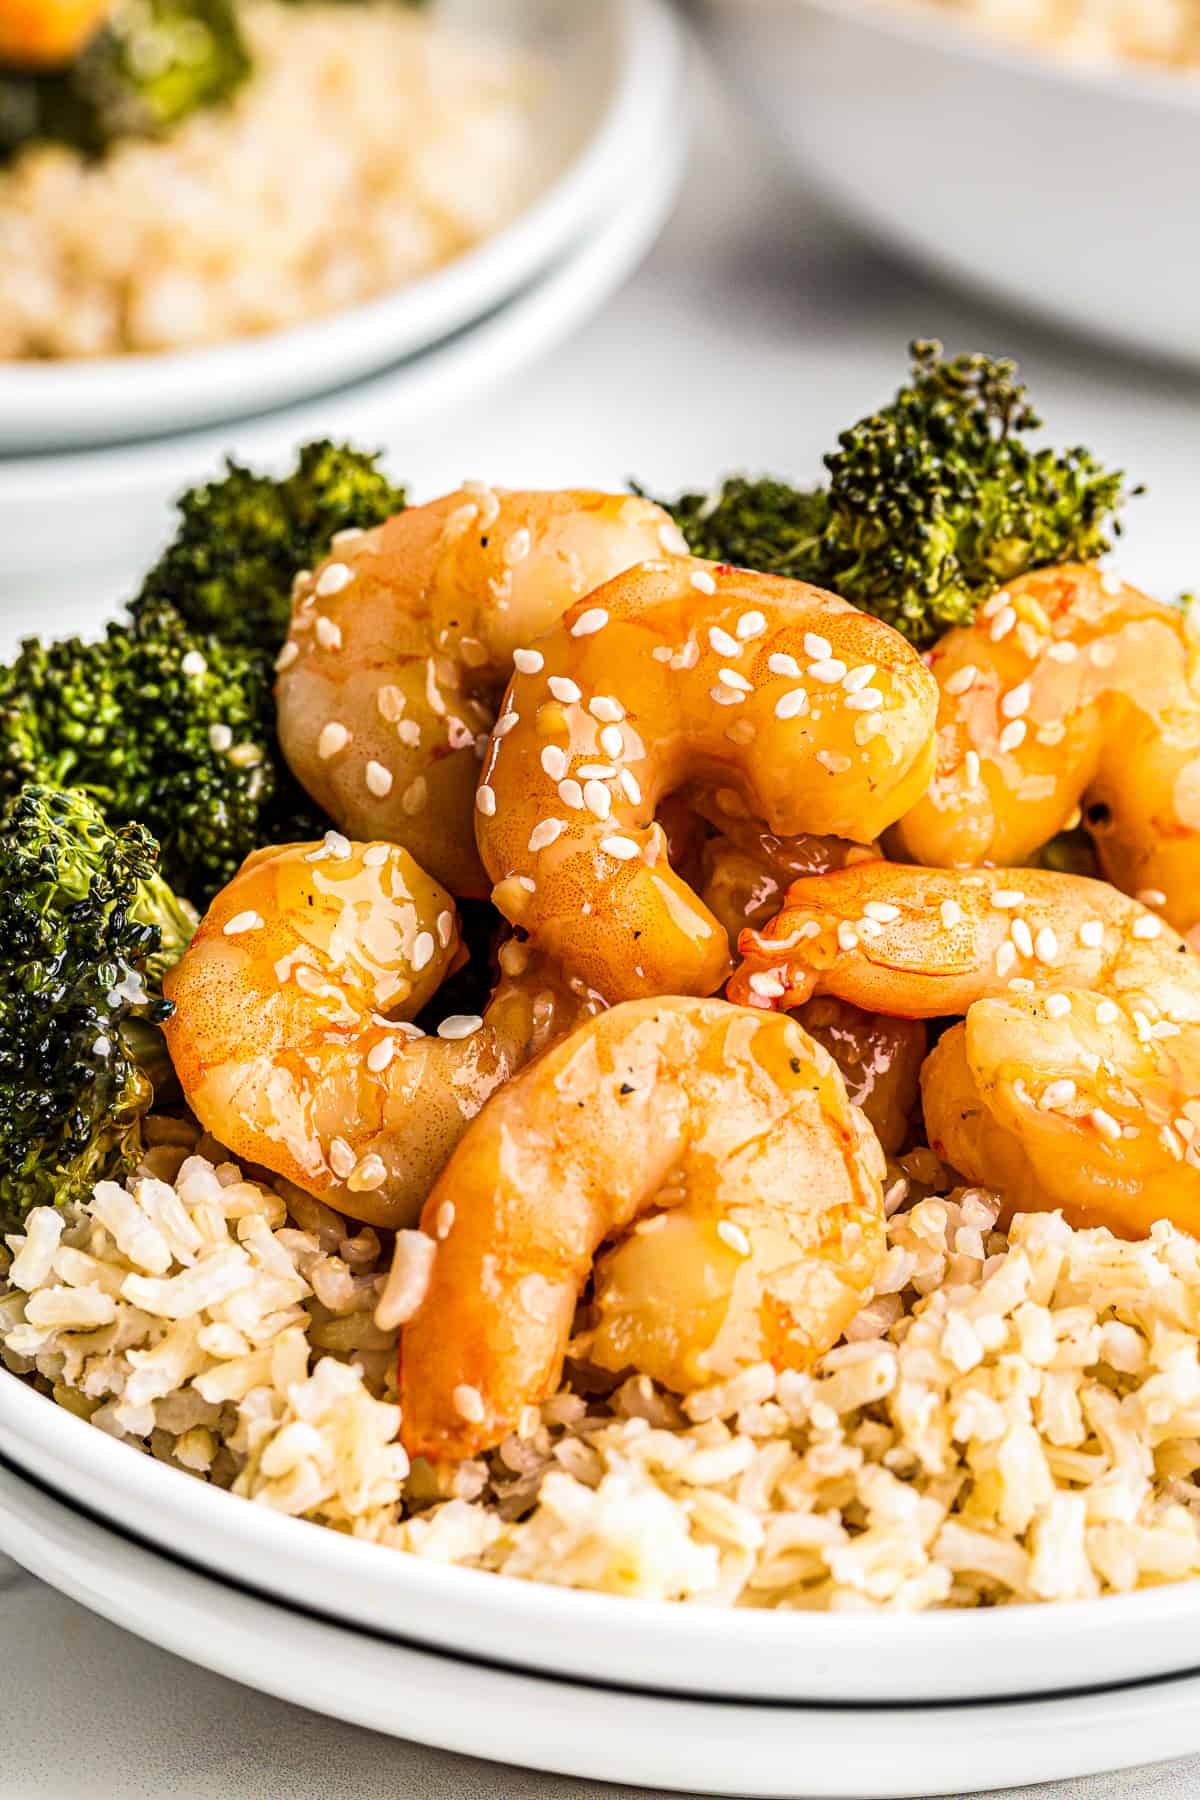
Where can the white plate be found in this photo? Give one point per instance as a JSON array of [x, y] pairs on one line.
[[1065, 189], [601, 1733], [62, 517], [708, 1652], [614, 70]]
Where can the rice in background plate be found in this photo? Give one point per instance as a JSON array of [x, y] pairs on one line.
[[1010, 1419]]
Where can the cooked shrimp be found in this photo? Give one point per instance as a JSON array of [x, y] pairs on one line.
[[818, 716], [401, 644], [1072, 1082], [41, 34], [1070, 690], [290, 1034], [713, 1149]]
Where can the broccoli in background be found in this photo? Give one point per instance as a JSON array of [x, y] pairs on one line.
[[241, 539], [87, 927], [932, 503]]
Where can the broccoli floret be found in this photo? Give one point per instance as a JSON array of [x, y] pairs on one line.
[[151, 64], [163, 727], [87, 926], [241, 539], [932, 503]]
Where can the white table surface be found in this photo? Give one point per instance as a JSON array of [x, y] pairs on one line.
[[756, 331]]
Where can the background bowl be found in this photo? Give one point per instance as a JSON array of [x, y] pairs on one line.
[[1063, 189]]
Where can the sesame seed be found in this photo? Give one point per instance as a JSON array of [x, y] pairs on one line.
[[219, 737], [518, 547], [623, 848], [379, 780], [1020, 985], [596, 771], [1062, 651], [741, 732], [485, 801], [630, 788], [468, 1403], [847, 937], [1091, 934], [1021, 936], [1003, 623], [333, 578], [243, 921], [991, 607], [1058, 1005], [722, 642], [612, 740], [589, 622], [1147, 896], [732, 678], [192, 664], [287, 656], [422, 950], [445, 927], [564, 689], [1107, 1012], [380, 1055], [767, 984], [1016, 701], [866, 700], [341, 1158], [855, 680], [1110, 583], [375, 855], [971, 768], [597, 799], [782, 664], [1056, 1094], [734, 1236], [869, 928], [751, 625], [662, 653], [606, 709], [459, 1026], [415, 795], [816, 647], [1012, 737], [703, 582], [828, 670], [688, 657], [337, 846], [571, 794], [555, 761], [881, 910], [792, 704], [951, 913], [1006, 959], [1147, 926], [529, 662], [443, 1222], [334, 737], [409, 733], [1103, 655], [544, 834], [505, 723], [725, 696], [1045, 946], [961, 680], [1051, 734], [834, 761], [1104, 1122]]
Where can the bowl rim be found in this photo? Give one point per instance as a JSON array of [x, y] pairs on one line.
[[922, 24]]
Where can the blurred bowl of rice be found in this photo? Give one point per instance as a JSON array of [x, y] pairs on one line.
[[1041, 151]]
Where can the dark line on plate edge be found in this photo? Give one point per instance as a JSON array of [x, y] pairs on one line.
[[993, 1702]]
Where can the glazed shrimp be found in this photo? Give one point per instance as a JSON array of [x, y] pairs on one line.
[[401, 643], [1072, 1081], [715, 1152], [290, 1034], [1071, 689], [819, 716]]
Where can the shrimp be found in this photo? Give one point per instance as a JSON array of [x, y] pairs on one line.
[[291, 1036], [402, 642], [1070, 689], [1072, 1081], [712, 1149], [818, 716], [44, 34]]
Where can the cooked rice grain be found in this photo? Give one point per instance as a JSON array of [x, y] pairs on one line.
[[1166, 32], [1010, 1419]]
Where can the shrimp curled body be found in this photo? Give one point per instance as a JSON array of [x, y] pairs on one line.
[[290, 1034], [819, 717], [401, 643], [713, 1148], [1069, 689], [1074, 1079]]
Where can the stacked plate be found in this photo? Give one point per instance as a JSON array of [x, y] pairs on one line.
[[693, 1699], [612, 138]]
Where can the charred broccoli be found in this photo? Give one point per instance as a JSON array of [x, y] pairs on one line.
[[932, 503], [151, 64], [87, 927], [241, 539]]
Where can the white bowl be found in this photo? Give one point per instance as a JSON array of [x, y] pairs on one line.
[[707, 1652], [611, 65], [606, 1732], [1064, 189]]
